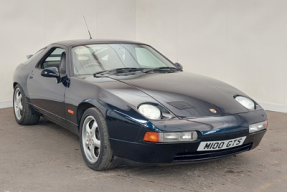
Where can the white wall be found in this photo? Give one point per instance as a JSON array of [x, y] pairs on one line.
[[241, 42], [27, 26]]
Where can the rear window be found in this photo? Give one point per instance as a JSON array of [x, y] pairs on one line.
[[31, 58]]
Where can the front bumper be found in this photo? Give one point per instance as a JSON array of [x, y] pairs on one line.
[[177, 152], [209, 129]]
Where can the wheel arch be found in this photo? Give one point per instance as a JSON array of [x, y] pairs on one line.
[[119, 120], [14, 84], [90, 103], [24, 88]]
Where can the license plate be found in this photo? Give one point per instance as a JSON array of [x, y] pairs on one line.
[[219, 145]]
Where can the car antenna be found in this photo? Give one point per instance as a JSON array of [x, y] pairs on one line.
[[87, 28]]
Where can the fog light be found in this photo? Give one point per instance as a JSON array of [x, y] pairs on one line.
[[178, 136], [258, 126]]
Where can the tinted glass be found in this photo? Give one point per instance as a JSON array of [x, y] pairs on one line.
[[54, 59], [89, 59]]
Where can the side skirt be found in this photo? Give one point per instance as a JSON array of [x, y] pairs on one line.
[[56, 119]]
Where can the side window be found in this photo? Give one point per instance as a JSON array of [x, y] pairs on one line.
[[53, 60]]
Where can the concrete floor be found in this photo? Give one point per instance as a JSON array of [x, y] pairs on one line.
[[46, 157]]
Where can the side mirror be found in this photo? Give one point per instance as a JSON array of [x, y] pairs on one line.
[[51, 72], [179, 66]]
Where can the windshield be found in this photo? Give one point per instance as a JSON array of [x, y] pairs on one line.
[[90, 59]]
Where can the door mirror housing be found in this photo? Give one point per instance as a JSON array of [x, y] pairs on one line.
[[51, 72], [179, 66]]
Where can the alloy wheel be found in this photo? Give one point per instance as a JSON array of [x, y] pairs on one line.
[[91, 139], [18, 104]]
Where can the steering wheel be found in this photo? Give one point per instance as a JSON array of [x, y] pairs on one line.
[[89, 65]]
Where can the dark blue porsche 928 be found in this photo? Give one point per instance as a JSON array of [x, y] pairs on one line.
[[126, 101]]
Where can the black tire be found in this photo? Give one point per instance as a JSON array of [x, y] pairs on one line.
[[105, 155], [27, 116]]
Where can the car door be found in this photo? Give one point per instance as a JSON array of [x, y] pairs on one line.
[[47, 94]]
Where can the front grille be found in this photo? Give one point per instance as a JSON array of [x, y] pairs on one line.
[[198, 156]]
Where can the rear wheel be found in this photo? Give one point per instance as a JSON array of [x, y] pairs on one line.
[[94, 141], [22, 111]]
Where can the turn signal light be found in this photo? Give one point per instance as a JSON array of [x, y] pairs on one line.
[[151, 137], [70, 111]]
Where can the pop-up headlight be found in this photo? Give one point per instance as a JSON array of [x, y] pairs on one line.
[[150, 111], [246, 102]]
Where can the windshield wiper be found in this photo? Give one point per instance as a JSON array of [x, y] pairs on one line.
[[116, 71], [164, 69], [133, 69]]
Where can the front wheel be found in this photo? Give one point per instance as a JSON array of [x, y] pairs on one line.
[[94, 141]]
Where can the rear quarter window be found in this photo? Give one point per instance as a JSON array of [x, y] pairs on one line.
[[31, 58]]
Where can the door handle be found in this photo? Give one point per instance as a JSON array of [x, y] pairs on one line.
[[31, 76]]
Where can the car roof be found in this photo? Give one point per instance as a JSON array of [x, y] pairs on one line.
[[72, 43]]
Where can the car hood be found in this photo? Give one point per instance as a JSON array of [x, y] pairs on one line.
[[187, 95]]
